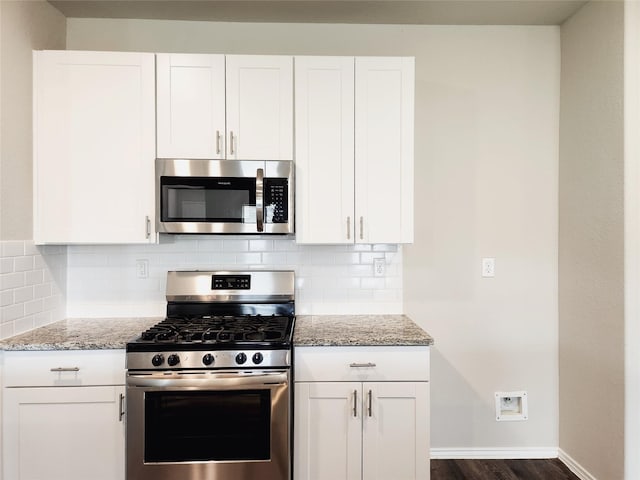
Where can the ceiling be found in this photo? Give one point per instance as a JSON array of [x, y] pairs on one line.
[[416, 12]]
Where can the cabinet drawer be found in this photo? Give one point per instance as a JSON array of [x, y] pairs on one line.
[[64, 368], [361, 364]]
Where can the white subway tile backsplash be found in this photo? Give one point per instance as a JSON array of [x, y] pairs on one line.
[[23, 264], [24, 324], [34, 306], [330, 279], [12, 280], [11, 312], [6, 265], [42, 290], [235, 245], [34, 277], [22, 295], [260, 245], [38, 282], [6, 298], [33, 282]]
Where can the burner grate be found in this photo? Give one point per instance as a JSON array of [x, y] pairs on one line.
[[219, 329]]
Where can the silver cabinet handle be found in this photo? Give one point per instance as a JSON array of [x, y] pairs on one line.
[[355, 403], [361, 228], [260, 199], [231, 152], [362, 365], [121, 408], [147, 226], [348, 228], [369, 408], [65, 369], [217, 142]]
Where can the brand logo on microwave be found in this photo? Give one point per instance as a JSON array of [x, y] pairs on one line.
[[224, 183]]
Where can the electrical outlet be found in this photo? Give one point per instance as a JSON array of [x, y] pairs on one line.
[[488, 267], [378, 267], [142, 268]]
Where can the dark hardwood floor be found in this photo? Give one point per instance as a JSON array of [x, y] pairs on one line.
[[547, 469]]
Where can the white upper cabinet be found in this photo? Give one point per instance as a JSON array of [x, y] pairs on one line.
[[259, 107], [354, 149], [190, 105], [384, 149], [324, 149], [94, 147], [236, 107]]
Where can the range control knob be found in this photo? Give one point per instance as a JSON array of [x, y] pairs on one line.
[[241, 358], [208, 359], [157, 360], [173, 360], [257, 358]]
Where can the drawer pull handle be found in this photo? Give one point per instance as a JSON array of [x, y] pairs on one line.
[[362, 365], [65, 369]]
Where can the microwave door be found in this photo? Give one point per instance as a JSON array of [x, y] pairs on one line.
[[209, 205]]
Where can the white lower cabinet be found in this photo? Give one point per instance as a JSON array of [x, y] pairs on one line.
[[62, 428], [360, 430]]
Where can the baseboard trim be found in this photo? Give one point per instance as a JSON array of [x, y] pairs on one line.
[[574, 466], [494, 453]]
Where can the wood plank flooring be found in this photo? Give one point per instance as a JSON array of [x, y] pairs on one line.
[[546, 469]]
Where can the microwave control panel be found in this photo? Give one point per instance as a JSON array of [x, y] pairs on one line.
[[276, 196]]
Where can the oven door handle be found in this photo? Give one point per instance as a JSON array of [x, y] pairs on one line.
[[212, 381]]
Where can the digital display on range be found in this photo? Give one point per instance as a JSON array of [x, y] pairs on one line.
[[231, 282]]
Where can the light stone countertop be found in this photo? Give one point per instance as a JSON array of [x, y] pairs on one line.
[[81, 334], [355, 330], [310, 330]]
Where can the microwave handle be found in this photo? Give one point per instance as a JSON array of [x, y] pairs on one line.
[[260, 199]]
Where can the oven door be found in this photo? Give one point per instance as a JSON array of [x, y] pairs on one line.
[[194, 425], [223, 196]]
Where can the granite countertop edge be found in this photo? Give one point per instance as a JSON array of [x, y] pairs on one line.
[[358, 330], [310, 330], [110, 333]]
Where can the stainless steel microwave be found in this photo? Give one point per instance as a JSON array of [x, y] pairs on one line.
[[224, 196]]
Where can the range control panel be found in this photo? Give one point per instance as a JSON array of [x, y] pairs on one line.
[[231, 282]]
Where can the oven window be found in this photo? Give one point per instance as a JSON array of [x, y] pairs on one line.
[[204, 199], [207, 425]]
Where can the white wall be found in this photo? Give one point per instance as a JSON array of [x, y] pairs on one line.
[[32, 281], [486, 183], [632, 236], [591, 240], [486, 186], [25, 25]]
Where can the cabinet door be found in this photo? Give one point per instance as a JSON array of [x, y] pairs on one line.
[[259, 107], [324, 149], [63, 433], [190, 103], [328, 431], [396, 431], [384, 149], [94, 147]]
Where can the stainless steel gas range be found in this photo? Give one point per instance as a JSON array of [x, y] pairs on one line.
[[208, 388]]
